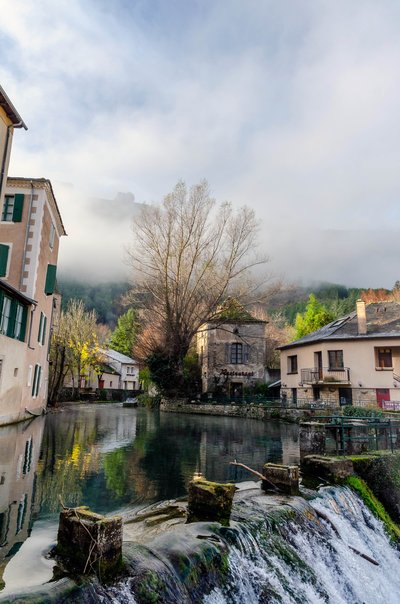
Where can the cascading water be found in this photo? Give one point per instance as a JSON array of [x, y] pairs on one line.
[[330, 549], [336, 552]]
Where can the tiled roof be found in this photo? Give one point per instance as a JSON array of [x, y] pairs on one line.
[[383, 321]]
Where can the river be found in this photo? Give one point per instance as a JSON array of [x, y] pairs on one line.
[[113, 459]]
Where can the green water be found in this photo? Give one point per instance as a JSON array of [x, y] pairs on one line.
[[113, 458]]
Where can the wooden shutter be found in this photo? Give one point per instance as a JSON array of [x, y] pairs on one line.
[[44, 329], [18, 207], [50, 279], [11, 320], [3, 259], [23, 324]]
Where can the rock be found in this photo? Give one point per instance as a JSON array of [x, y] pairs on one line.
[[329, 468], [88, 543], [210, 501], [285, 478], [312, 438]]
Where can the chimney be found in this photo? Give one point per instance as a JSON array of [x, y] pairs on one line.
[[361, 318]]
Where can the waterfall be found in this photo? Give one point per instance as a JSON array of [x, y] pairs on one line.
[[338, 553]]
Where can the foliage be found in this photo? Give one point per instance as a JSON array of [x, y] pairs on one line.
[[104, 298], [124, 336], [376, 507], [349, 410], [146, 400], [316, 316], [232, 310], [74, 347], [189, 255]]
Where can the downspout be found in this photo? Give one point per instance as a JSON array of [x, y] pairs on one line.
[[4, 159], [26, 236]]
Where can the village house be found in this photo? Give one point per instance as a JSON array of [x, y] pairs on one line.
[[353, 360], [30, 228], [231, 350], [116, 371]]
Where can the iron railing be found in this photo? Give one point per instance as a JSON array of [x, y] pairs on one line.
[[324, 375]]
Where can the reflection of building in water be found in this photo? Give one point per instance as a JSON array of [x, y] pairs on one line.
[[19, 453]]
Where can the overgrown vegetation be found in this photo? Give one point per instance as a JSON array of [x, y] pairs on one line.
[[361, 487]]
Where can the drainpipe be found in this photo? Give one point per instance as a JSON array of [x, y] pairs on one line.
[[4, 159]]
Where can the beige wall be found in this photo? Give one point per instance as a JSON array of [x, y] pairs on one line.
[[358, 355], [12, 377], [30, 255]]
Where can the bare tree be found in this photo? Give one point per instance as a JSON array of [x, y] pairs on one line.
[[188, 255]]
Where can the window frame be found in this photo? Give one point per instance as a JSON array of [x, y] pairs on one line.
[[382, 354], [335, 360], [236, 353], [292, 367]]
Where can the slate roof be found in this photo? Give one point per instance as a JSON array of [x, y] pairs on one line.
[[383, 321], [118, 356]]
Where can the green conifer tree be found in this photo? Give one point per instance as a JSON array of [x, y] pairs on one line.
[[124, 335]]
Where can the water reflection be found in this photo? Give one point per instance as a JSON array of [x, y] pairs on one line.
[[19, 452], [109, 458]]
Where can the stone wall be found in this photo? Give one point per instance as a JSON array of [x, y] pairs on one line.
[[251, 411]]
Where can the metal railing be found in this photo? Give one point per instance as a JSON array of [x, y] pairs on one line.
[[324, 375]]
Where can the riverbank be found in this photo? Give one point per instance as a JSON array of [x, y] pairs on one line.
[[245, 410]]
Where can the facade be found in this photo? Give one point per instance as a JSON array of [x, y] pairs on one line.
[[30, 229], [353, 360], [118, 372], [231, 351]]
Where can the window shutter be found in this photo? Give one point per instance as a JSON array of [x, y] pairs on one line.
[[23, 324], [11, 320], [227, 347], [3, 259], [40, 327], [18, 207], [50, 279], [44, 329]]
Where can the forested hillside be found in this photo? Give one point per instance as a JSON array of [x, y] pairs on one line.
[[106, 299]]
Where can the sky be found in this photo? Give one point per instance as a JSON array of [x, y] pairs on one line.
[[288, 106]]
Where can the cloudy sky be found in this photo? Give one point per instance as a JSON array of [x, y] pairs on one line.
[[288, 106]]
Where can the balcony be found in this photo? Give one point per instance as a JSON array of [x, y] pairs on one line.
[[324, 375]]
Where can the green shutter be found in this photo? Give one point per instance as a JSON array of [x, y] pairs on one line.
[[23, 324], [18, 207], [50, 279], [11, 320], [44, 329], [39, 337], [3, 259]]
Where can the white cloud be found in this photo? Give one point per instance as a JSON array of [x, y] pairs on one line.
[[289, 107]]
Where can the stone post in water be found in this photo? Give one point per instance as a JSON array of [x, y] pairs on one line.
[[284, 478], [88, 543], [210, 501], [312, 438]]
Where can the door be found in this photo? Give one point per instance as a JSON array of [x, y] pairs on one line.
[[236, 389], [382, 394], [318, 364], [345, 396]]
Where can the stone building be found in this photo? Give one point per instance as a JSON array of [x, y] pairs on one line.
[[231, 350], [353, 360]]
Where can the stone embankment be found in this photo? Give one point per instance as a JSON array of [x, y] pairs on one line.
[[247, 410]]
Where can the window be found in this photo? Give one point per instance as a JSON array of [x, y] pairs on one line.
[[36, 380], [12, 208], [4, 251], [51, 236], [42, 328], [5, 315], [292, 364], [385, 358], [236, 354], [335, 358], [13, 316]]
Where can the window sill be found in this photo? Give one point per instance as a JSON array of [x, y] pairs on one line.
[[383, 368], [292, 373]]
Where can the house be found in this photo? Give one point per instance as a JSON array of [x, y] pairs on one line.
[[30, 229], [117, 371], [9, 121], [353, 360], [231, 350]]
